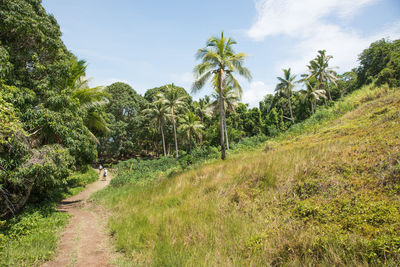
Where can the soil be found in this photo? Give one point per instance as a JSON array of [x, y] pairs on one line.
[[85, 241]]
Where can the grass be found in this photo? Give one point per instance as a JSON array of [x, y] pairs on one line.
[[30, 238], [325, 193]]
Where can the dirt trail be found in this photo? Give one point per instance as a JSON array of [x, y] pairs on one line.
[[85, 241]]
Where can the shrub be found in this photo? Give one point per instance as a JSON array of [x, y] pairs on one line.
[[250, 142], [134, 170]]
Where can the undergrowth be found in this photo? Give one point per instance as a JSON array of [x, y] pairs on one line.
[[31, 237]]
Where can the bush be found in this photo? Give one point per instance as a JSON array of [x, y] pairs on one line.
[[250, 142], [143, 171], [135, 170]]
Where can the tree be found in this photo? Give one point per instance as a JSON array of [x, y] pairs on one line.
[[174, 103], [89, 99], [52, 136], [219, 61], [285, 87], [230, 99], [380, 61], [126, 122], [312, 92], [190, 125], [157, 113], [319, 68], [200, 107]]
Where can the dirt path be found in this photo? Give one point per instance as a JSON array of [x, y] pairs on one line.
[[84, 241]]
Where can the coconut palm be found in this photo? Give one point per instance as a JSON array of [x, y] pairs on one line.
[[312, 92], [157, 113], [88, 98], [319, 68], [174, 102], [200, 107], [219, 61], [190, 125], [285, 87], [230, 101]]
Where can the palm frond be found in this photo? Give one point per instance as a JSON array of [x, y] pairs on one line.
[[200, 82], [235, 85]]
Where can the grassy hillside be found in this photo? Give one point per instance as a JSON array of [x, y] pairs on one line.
[[325, 193]]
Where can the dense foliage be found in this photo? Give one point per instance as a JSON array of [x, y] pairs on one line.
[[381, 63], [44, 120]]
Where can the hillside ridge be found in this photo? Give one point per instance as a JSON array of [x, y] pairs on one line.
[[327, 196]]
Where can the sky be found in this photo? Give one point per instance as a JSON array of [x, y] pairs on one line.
[[151, 43]]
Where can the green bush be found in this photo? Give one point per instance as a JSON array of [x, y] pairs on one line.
[[135, 170], [250, 142], [83, 177]]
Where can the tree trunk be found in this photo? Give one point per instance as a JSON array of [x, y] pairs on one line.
[[320, 86], [226, 133], [329, 93], [163, 140], [312, 106], [190, 144], [221, 114], [176, 141], [291, 111], [25, 198]]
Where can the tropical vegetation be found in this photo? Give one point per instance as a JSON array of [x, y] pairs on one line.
[[296, 184]]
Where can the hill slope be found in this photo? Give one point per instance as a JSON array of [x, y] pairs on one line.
[[327, 196]]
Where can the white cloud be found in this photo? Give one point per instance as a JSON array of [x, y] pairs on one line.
[[256, 92], [306, 23], [294, 17], [345, 46]]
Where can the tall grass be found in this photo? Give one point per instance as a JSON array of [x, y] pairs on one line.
[[325, 115], [325, 193]]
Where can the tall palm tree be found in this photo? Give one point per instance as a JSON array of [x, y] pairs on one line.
[[285, 87], [319, 68], [174, 103], [230, 101], [312, 92], [157, 114], [220, 61], [190, 125]]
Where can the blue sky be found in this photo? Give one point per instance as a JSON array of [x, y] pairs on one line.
[[150, 43]]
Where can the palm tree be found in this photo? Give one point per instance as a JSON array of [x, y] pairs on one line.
[[200, 107], [312, 92], [89, 98], [285, 87], [319, 68], [174, 103], [230, 101], [219, 61], [157, 113], [191, 125]]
